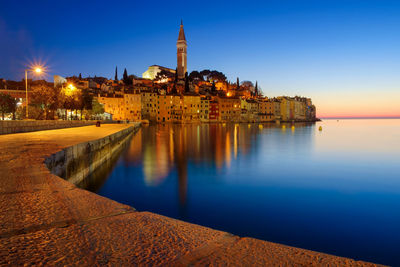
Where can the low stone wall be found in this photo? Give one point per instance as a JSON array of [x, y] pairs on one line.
[[9, 127], [77, 162]]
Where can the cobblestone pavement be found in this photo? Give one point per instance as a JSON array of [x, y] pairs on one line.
[[46, 220]]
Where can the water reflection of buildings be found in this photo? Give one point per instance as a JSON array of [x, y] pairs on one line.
[[161, 149]]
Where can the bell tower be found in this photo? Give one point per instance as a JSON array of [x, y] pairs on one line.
[[181, 46]]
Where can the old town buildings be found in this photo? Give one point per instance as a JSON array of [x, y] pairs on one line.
[[155, 106], [164, 95]]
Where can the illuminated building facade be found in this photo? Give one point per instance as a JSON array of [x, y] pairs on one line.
[[229, 109], [266, 111], [204, 109], [114, 106], [164, 111], [122, 107], [153, 70], [133, 107], [191, 107], [149, 105], [214, 111]]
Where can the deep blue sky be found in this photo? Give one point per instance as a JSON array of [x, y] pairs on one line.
[[343, 54]]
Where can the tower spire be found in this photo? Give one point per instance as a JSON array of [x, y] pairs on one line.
[[181, 46], [181, 36]]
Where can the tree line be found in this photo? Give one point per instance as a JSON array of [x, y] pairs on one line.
[[47, 102]]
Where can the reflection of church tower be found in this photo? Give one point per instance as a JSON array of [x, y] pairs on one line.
[[181, 46]]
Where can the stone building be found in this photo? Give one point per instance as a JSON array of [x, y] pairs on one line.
[[113, 106], [214, 111], [153, 70], [266, 110], [229, 108], [149, 105], [181, 46], [191, 107], [122, 107], [165, 105], [204, 109]]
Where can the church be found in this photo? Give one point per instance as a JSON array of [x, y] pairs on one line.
[[181, 55]]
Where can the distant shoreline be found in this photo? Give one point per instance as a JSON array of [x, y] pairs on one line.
[[358, 118]]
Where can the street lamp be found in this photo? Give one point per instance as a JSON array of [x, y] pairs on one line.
[[36, 70], [71, 87]]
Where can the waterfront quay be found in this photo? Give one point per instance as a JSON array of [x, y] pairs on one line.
[[47, 220]]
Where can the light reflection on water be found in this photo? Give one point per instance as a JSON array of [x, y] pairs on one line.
[[335, 190]]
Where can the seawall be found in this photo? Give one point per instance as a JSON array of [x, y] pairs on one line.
[[77, 162], [46, 220]]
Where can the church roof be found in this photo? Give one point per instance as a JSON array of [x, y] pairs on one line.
[[181, 36]]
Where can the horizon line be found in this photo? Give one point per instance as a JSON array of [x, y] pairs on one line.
[[360, 117]]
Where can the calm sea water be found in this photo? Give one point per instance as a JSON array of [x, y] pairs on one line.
[[335, 191]]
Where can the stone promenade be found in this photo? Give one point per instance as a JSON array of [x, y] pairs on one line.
[[46, 220]]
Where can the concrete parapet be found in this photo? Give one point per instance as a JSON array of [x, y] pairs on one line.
[[76, 162], [9, 127]]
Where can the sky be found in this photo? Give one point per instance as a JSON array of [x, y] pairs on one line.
[[343, 54]]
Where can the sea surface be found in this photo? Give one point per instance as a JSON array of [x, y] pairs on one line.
[[335, 191]]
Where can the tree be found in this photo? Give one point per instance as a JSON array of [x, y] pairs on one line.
[[216, 76], [256, 89], [116, 74], [163, 74], [80, 76], [248, 84], [187, 89], [195, 75], [237, 84], [176, 76], [213, 89], [174, 90], [97, 108], [8, 104], [125, 77], [204, 74], [44, 98], [85, 101]]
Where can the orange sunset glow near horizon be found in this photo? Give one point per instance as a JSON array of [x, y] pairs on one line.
[[354, 104]]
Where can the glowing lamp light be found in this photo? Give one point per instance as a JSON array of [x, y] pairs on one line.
[[38, 70]]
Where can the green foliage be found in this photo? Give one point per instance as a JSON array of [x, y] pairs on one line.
[[216, 76], [196, 76], [8, 104], [164, 74], [97, 108], [126, 78], [207, 75], [86, 100], [213, 89], [47, 99]]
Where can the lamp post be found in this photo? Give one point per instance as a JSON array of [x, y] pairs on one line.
[[35, 70]]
